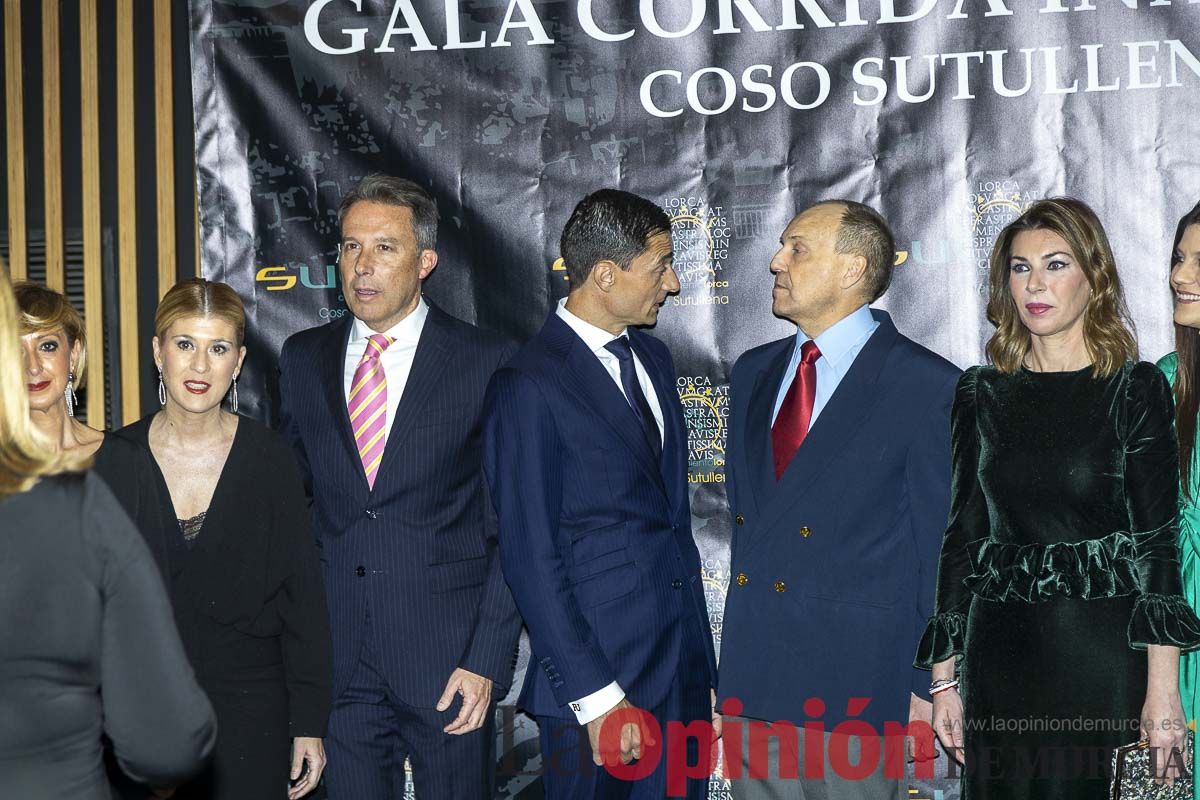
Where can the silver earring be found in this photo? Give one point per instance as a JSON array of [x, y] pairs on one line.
[[162, 390], [69, 394], [233, 395]]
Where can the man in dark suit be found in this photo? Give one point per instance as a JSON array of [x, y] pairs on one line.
[[384, 409], [838, 475], [585, 451]]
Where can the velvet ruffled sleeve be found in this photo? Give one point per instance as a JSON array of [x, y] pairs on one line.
[[1161, 615], [945, 634]]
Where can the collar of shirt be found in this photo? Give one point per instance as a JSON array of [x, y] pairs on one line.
[[838, 343], [406, 332], [595, 338]]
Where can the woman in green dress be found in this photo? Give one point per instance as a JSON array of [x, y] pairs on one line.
[[1059, 599], [1183, 370]]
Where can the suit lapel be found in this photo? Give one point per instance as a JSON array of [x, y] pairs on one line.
[[759, 463], [429, 363], [333, 363], [840, 420], [585, 376], [674, 436]]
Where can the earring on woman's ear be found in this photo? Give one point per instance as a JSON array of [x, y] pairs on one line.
[[233, 404], [162, 389], [69, 394]]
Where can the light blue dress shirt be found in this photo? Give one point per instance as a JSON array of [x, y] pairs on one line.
[[839, 346]]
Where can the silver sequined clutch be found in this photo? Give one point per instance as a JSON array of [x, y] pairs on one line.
[[1131, 778]]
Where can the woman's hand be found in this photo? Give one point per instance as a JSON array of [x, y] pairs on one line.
[[1163, 725], [312, 750], [948, 722]]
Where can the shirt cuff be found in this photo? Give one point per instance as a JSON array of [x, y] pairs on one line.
[[597, 703]]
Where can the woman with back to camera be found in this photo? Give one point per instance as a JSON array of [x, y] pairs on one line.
[[246, 582], [55, 349], [1183, 370], [1059, 596], [87, 642]]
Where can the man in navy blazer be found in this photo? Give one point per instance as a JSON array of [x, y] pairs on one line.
[[585, 451], [838, 475], [424, 627]]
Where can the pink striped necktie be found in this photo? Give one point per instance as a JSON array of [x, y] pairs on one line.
[[368, 406]]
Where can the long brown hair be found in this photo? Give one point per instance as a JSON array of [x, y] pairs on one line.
[[1106, 323], [1187, 351]]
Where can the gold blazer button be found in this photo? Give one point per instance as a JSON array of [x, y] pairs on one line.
[[739, 519], [806, 531], [741, 579], [780, 587]]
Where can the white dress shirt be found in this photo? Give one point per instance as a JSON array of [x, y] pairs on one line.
[[603, 700], [397, 359], [839, 346]]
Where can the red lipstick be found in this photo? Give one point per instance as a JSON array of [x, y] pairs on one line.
[[1037, 309], [37, 387], [197, 387]]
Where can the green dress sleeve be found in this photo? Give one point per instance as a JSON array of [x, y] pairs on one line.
[[1161, 615], [945, 634]]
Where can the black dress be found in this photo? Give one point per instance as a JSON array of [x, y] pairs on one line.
[[87, 645], [129, 471], [1059, 566], [250, 604]]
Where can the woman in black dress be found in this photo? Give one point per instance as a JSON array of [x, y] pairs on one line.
[[55, 350], [245, 584], [87, 643], [1058, 592]]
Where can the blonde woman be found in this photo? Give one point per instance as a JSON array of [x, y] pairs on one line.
[[246, 584], [87, 643], [1059, 616], [54, 343]]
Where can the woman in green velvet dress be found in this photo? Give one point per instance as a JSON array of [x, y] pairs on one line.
[[1183, 370], [1059, 598]]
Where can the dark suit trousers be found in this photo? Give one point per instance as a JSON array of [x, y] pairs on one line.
[[372, 732], [568, 772]]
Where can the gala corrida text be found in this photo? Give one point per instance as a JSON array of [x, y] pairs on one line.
[[339, 27]]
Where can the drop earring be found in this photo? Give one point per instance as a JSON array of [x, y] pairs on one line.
[[162, 389], [69, 394], [233, 404]]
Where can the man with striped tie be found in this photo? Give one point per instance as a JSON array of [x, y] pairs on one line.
[[383, 408]]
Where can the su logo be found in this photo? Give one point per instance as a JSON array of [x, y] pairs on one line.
[[280, 279]]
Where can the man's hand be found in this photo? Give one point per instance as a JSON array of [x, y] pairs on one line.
[[717, 723], [918, 748], [476, 692], [628, 743]]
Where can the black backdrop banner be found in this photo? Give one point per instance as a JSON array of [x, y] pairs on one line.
[[949, 116]]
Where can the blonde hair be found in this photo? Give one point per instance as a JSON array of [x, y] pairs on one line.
[[43, 310], [199, 297], [24, 456], [1106, 325]]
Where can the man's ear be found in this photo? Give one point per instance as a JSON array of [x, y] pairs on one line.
[[429, 260], [604, 275], [855, 271]]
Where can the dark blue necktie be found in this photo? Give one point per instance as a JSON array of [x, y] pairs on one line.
[[633, 392]]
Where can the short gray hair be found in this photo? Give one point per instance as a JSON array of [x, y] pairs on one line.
[[864, 232], [393, 191]]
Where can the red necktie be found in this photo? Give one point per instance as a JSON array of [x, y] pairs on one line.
[[791, 423]]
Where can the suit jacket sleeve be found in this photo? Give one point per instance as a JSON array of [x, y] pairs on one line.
[[927, 473], [522, 458], [288, 426], [307, 649], [492, 648], [968, 525]]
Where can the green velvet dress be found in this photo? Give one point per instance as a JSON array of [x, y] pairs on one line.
[[1189, 565], [1058, 567]]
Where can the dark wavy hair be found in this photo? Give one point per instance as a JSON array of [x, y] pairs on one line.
[[1106, 323], [1187, 393]]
